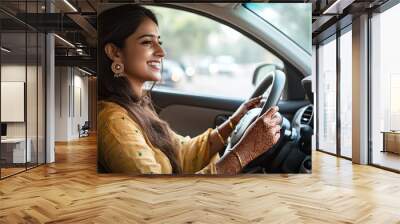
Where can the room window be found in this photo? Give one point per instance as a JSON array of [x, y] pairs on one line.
[[327, 96], [385, 89], [346, 94]]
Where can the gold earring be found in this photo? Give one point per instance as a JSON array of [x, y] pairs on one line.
[[118, 69]]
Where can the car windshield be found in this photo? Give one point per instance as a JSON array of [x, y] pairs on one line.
[[292, 19]]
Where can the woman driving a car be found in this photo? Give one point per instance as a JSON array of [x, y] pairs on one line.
[[132, 138]]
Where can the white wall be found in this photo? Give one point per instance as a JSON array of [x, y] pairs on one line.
[[33, 127], [71, 93], [12, 73], [61, 103]]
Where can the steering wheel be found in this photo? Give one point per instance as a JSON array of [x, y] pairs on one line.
[[275, 80]]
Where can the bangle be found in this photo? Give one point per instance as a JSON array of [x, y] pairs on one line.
[[238, 157], [220, 136], [231, 124]]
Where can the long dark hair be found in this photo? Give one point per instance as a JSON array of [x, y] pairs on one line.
[[114, 26]]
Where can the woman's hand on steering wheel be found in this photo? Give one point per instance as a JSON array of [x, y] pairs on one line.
[[262, 134], [245, 107]]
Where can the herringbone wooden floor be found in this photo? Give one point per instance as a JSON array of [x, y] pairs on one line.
[[70, 191]]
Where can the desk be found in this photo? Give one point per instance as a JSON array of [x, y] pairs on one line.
[[13, 150], [391, 141]]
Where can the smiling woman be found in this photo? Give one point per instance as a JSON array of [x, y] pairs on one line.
[[131, 137]]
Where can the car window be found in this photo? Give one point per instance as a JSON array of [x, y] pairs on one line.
[[206, 57], [297, 26]]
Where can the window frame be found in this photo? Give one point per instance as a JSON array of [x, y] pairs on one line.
[[28, 29], [333, 37], [379, 10]]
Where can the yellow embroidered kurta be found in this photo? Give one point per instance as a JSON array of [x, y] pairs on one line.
[[124, 148]]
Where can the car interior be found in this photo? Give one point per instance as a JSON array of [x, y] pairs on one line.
[[292, 154], [287, 87]]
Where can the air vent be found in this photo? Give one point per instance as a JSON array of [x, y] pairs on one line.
[[307, 115]]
